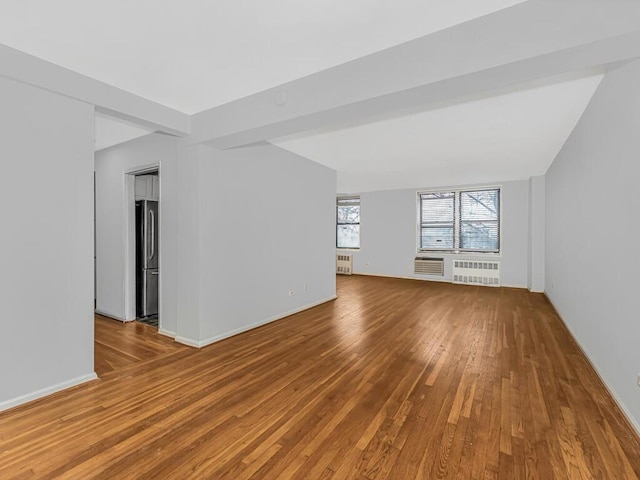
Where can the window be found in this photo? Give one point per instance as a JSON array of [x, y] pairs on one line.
[[460, 220], [437, 225], [348, 222]]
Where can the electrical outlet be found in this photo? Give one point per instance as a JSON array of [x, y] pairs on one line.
[[292, 293], [306, 287]]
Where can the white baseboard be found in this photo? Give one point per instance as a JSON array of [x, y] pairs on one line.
[[515, 286], [166, 333], [43, 392], [422, 279], [621, 405], [188, 341], [208, 341]]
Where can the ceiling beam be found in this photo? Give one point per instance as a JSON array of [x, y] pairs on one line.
[[527, 42], [107, 99]]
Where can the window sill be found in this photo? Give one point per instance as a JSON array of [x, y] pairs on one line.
[[461, 254], [347, 249]]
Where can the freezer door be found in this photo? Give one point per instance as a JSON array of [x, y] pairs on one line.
[[150, 292], [150, 238]]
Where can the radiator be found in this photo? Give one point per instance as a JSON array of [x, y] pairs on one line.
[[473, 272], [344, 264], [428, 266]]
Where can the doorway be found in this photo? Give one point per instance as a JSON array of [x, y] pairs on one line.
[[147, 251], [142, 283]]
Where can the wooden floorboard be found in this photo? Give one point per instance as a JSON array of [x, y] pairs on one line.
[[119, 345], [396, 379]]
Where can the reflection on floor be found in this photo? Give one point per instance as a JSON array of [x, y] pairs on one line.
[[121, 345], [395, 379], [151, 320]]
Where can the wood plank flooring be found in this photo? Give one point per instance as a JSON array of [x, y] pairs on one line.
[[118, 345], [396, 379]]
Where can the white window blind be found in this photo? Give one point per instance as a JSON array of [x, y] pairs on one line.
[[437, 221], [460, 220], [480, 220]]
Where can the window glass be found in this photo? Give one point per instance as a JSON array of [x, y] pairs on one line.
[[348, 222], [460, 220]]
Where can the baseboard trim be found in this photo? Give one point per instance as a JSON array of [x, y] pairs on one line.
[[208, 341], [626, 414], [166, 333], [441, 280], [429, 279], [43, 392]]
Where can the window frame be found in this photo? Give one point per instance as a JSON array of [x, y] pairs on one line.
[[453, 223], [457, 223], [338, 223]]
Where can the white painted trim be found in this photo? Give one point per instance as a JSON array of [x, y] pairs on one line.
[[208, 341], [166, 333], [456, 228], [430, 279], [525, 287], [129, 247], [621, 405], [43, 392], [110, 315], [427, 279], [142, 169], [188, 341], [129, 240]]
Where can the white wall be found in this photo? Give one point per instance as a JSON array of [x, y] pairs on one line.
[[260, 225], [46, 242], [112, 165], [536, 255], [388, 240], [593, 203]]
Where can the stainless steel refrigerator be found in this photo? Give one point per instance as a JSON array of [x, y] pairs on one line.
[[146, 258]]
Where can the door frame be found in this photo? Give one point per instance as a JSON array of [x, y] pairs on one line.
[[129, 240]]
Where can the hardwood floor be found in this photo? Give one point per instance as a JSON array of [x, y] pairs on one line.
[[118, 345], [396, 379]]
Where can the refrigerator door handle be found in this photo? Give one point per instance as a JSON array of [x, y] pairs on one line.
[[153, 234]]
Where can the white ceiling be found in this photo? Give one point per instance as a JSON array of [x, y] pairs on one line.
[[509, 136], [192, 55], [196, 54]]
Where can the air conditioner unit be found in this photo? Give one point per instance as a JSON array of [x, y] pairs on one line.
[[474, 272], [428, 266], [344, 264]]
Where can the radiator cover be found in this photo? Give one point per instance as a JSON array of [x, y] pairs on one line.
[[477, 272], [344, 264]]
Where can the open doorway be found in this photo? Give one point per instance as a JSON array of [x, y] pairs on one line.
[[143, 249], [147, 251]]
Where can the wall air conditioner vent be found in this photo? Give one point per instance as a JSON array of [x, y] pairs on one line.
[[428, 266], [344, 264], [473, 272]]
